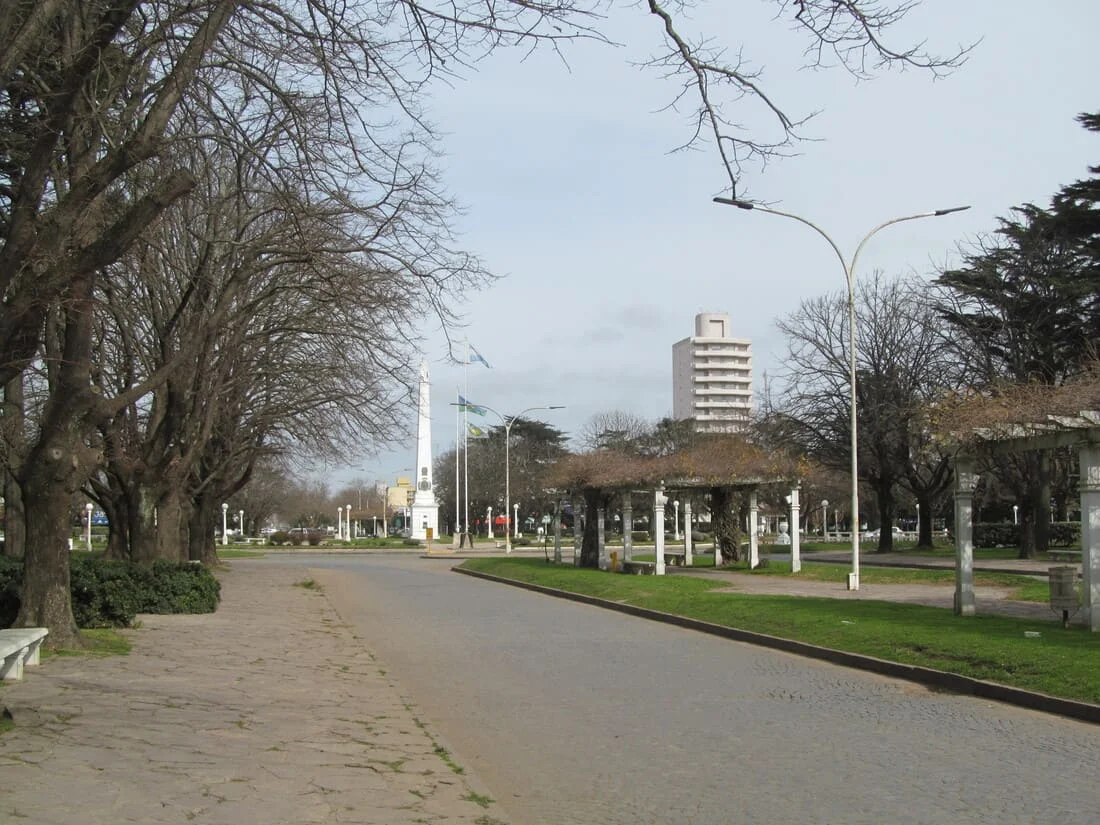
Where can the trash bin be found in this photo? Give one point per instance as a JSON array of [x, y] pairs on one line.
[[1063, 591]]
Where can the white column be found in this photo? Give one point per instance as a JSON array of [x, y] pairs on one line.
[[557, 530], [578, 528], [754, 531], [1089, 485], [347, 522], [489, 523], [796, 548], [628, 527], [687, 532], [604, 560], [965, 482], [659, 502], [676, 521]]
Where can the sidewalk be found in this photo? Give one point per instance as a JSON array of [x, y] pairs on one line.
[[268, 711]]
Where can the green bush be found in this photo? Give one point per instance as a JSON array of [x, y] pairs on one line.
[[411, 542], [1065, 533], [639, 535], [997, 534], [111, 593], [280, 537], [315, 537]]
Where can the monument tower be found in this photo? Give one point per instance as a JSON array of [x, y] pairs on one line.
[[425, 509]]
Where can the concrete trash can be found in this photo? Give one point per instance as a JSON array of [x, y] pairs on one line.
[[1063, 591]]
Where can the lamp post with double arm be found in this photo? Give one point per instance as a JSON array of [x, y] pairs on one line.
[[850, 278]]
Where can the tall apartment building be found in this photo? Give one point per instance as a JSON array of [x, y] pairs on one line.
[[712, 376]]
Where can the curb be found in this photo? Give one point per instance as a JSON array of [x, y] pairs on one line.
[[953, 682]]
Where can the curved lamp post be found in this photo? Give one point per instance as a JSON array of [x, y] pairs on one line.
[[850, 278], [508, 421]]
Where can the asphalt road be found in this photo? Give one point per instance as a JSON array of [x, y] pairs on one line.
[[572, 714]]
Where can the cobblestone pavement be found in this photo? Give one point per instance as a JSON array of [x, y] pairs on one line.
[[575, 715], [269, 711]]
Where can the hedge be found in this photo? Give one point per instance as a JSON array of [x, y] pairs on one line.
[[111, 593], [999, 534]]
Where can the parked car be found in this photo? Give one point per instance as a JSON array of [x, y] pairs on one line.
[[872, 535]]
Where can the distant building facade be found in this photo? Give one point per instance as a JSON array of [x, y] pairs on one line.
[[712, 376]]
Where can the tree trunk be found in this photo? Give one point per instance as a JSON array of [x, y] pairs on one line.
[[884, 498], [13, 423], [1043, 509], [143, 533], [168, 516], [200, 539], [590, 543], [727, 532], [56, 467], [1033, 510], [49, 481]]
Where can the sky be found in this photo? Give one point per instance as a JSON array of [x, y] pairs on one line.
[[607, 242]]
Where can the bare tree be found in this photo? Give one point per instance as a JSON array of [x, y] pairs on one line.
[[903, 361]]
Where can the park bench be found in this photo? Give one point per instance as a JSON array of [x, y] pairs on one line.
[[19, 647], [1064, 555]]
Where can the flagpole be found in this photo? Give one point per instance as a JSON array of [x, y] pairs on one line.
[[456, 538]]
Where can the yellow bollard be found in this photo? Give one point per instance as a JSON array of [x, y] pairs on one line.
[[614, 562]]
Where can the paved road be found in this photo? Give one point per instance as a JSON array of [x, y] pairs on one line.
[[572, 714]]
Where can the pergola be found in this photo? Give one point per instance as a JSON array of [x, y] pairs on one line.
[[725, 462], [1030, 418]]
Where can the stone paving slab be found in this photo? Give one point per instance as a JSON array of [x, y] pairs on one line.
[[268, 711]]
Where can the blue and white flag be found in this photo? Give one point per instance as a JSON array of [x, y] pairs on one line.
[[476, 356], [476, 431], [463, 404]]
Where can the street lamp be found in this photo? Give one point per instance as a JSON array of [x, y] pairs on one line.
[[825, 518], [515, 520], [225, 524], [88, 508], [347, 522], [850, 278], [240, 516], [508, 421], [489, 522], [676, 520]]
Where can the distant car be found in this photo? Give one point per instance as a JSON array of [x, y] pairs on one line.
[[872, 535]]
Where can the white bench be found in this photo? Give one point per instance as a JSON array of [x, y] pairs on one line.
[[19, 647]]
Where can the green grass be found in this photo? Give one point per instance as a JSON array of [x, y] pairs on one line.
[[1060, 662], [97, 642]]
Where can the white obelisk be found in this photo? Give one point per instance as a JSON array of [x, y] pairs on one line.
[[425, 509]]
